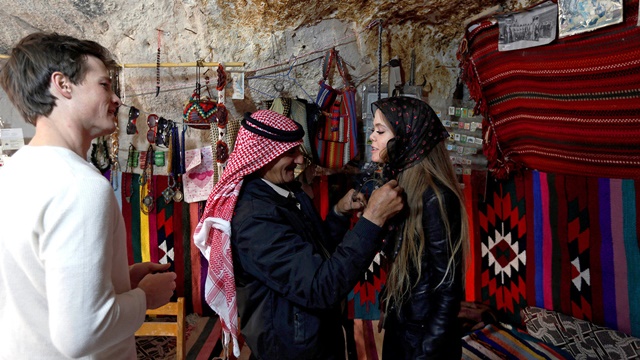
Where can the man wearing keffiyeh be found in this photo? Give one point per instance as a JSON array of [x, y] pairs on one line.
[[268, 247]]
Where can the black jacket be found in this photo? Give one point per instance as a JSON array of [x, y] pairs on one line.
[[426, 325], [292, 273]]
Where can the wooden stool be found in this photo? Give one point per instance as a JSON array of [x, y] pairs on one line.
[[175, 328]]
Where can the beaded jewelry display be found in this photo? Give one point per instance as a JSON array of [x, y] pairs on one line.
[[172, 192], [100, 155], [147, 202], [127, 187], [113, 156]]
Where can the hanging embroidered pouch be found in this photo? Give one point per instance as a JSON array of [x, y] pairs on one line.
[[336, 140], [199, 112]]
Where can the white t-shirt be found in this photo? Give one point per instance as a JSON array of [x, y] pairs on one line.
[[64, 277]]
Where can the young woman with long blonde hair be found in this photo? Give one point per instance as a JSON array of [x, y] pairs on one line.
[[428, 242]]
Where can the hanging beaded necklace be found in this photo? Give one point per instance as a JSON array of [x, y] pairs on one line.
[[176, 163], [127, 186], [147, 202], [113, 157], [100, 155], [171, 193]]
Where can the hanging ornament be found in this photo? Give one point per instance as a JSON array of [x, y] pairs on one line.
[[158, 63], [222, 78], [221, 116], [221, 148], [222, 151]]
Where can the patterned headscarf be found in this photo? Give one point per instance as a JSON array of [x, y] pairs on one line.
[[264, 136], [417, 131]]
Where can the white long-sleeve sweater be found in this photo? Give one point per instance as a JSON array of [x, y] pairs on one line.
[[64, 279]]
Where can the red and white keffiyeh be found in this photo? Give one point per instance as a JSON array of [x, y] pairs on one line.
[[213, 233]]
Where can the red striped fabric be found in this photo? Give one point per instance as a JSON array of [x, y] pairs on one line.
[[570, 107], [179, 263], [470, 285], [196, 280], [126, 189]]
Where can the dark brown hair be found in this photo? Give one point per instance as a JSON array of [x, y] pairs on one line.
[[26, 76]]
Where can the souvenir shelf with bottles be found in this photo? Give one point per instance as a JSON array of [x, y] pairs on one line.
[[465, 141]]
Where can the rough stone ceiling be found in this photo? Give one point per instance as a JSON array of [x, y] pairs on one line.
[[113, 19], [260, 33]]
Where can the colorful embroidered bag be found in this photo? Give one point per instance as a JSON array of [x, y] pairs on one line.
[[198, 112], [336, 139]]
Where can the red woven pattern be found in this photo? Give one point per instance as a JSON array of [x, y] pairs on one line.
[[570, 107]]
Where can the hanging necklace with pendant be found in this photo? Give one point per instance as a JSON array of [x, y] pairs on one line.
[[147, 203], [100, 155], [176, 162], [170, 191]]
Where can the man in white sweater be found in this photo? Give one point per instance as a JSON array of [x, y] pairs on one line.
[[66, 290]]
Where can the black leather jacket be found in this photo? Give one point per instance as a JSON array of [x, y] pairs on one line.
[[292, 273], [426, 325]]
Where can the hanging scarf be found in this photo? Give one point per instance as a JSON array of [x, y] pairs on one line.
[[264, 136], [417, 130]]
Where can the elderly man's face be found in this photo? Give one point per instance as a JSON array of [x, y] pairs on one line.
[[281, 169]]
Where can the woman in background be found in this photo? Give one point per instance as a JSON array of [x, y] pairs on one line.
[[427, 243]]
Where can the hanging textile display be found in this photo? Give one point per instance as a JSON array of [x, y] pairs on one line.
[[501, 254], [166, 252], [362, 301], [336, 139], [561, 242], [568, 107], [156, 236]]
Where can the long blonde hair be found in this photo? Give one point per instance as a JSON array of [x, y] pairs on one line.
[[435, 167]]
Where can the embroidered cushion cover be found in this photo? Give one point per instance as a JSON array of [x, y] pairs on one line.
[[583, 339]]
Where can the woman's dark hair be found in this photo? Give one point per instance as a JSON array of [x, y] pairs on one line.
[[26, 75]]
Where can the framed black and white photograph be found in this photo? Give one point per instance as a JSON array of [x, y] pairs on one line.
[[534, 27]]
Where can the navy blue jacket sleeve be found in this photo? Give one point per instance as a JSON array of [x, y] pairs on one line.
[[282, 257]]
